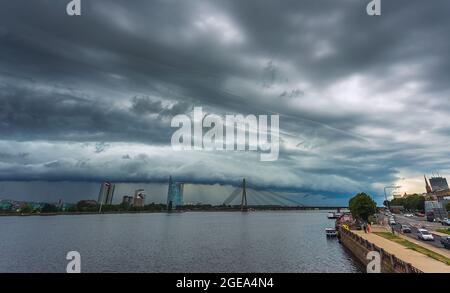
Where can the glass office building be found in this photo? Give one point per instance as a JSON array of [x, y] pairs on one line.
[[174, 194], [106, 194]]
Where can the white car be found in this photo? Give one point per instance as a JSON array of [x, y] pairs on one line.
[[446, 222], [409, 215], [423, 234]]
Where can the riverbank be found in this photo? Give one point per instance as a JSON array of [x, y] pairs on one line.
[[395, 258], [212, 209]]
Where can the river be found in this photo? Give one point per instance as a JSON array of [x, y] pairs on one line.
[[272, 241]]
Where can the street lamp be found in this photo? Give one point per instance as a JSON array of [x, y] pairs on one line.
[[385, 195]]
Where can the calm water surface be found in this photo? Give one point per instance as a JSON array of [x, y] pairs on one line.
[[182, 242]]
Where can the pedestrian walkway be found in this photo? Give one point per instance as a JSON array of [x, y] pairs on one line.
[[416, 259]]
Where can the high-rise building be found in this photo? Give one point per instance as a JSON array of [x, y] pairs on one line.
[[139, 198], [438, 183], [175, 194], [105, 196], [437, 209], [60, 204], [127, 200]]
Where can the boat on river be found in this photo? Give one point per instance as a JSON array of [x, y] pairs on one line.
[[331, 232]]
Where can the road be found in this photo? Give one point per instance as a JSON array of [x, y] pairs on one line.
[[415, 223]]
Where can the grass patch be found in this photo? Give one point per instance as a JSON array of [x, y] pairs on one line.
[[415, 247], [444, 230]]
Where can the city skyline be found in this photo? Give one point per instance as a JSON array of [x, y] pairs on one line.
[[363, 101]]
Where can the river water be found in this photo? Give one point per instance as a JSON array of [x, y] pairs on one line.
[[285, 241]]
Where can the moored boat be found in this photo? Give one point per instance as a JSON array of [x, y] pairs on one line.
[[331, 215], [331, 232]]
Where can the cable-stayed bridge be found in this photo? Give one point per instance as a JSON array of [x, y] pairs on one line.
[[260, 197]]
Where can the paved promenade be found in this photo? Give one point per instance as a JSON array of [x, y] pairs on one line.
[[418, 260]]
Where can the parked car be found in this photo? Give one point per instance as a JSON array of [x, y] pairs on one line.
[[408, 215], [424, 235], [392, 222], [406, 229], [446, 222], [445, 241], [419, 214]]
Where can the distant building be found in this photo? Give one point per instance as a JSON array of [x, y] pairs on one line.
[[396, 209], [105, 196], [60, 204], [6, 206], [127, 200], [139, 198], [441, 194], [438, 184], [436, 208], [438, 190], [36, 206], [445, 201], [174, 194]]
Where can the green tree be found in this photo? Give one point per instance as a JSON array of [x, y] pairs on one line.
[[362, 206], [397, 202], [49, 208], [87, 206], [415, 202], [447, 207], [27, 209]]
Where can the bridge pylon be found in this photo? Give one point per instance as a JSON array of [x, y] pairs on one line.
[[244, 197]]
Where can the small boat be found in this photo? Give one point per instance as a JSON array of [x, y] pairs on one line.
[[331, 232], [331, 215]]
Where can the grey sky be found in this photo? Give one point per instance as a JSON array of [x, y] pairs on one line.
[[363, 101]]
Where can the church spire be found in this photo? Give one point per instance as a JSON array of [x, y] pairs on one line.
[[427, 186]]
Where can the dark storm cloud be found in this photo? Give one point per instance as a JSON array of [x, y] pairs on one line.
[[29, 114], [355, 93]]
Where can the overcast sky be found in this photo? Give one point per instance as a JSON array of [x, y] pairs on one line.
[[363, 101]]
